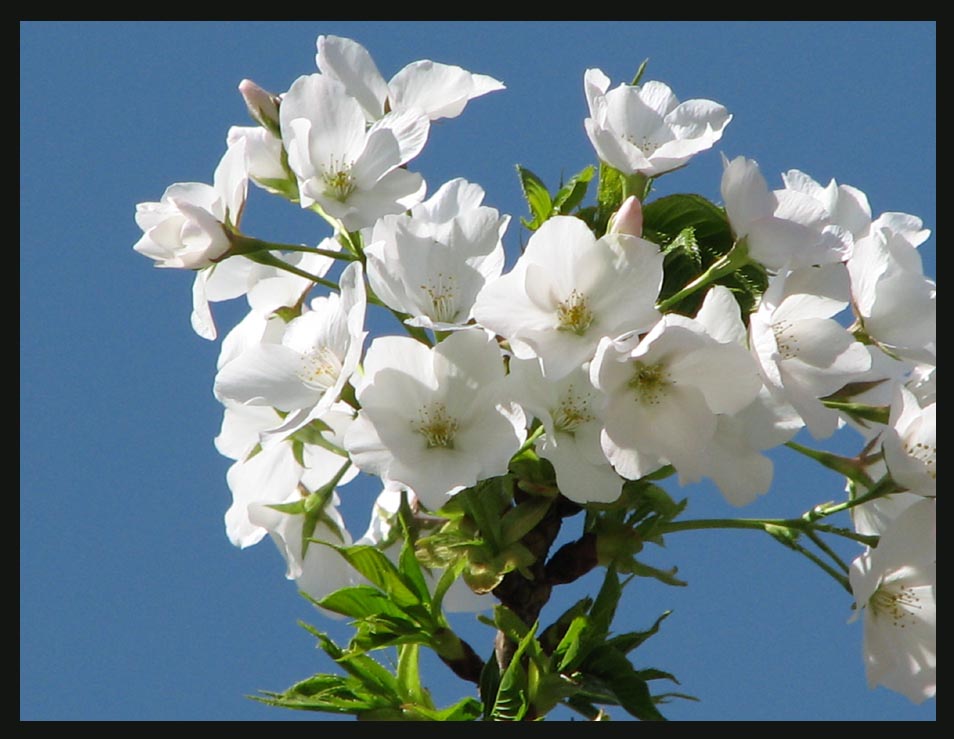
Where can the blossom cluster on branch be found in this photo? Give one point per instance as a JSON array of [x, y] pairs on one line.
[[632, 339]]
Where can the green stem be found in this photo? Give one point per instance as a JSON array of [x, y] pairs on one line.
[[531, 440], [847, 466], [886, 486], [270, 260], [778, 529], [820, 543], [737, 257], [249, 245]]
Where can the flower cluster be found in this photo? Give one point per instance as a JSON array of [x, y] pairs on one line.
[[619, 347]]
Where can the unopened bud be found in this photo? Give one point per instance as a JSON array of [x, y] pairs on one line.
[[262, 105], [628, 219]]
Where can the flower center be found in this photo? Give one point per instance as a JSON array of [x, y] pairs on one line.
[[320, 368], [645, 144], [442, 292], [437, 426], [573, 411], [339, 183], [573, 315], [649, 382], [900, 606], [926, 455], [785, 339]]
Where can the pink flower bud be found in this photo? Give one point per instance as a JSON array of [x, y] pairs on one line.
[[628, 219], [262, 105]]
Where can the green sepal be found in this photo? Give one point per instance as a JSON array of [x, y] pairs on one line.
[[642, 569], [639, 73]]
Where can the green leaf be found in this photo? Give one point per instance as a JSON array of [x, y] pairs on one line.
[[686, 244], [521, 519], [609, 196], [619, 676], [672, 214], [489, 685], [604, 607], [411, 569], [528, 466], [555, 632], [570, 649], [484, 504], [374, 565], [468, 709], [513, 701], [537, 196], [360, 601], [409, 676], [573, 192], [627, 642]]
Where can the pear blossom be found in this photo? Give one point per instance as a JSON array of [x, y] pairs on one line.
[[570, 410], [353, 173], [189, 227], [644, 128], [784, 228], [665, 392], [434, 419], [568, 290], [895, 590], [432, 263], [305, 373], [804, 354], [439, 90]]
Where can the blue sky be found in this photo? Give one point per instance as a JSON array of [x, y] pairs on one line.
[[133, 604]]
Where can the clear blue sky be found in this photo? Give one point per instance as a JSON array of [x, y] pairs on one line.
[[133, 604]]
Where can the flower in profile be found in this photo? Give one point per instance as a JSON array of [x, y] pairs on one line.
[[352, 172], [440, 90], [895, 589], [785, 228], [434, 419], [895, 301], [568, 290], [189, 227], [644, 128], [910, 443]]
